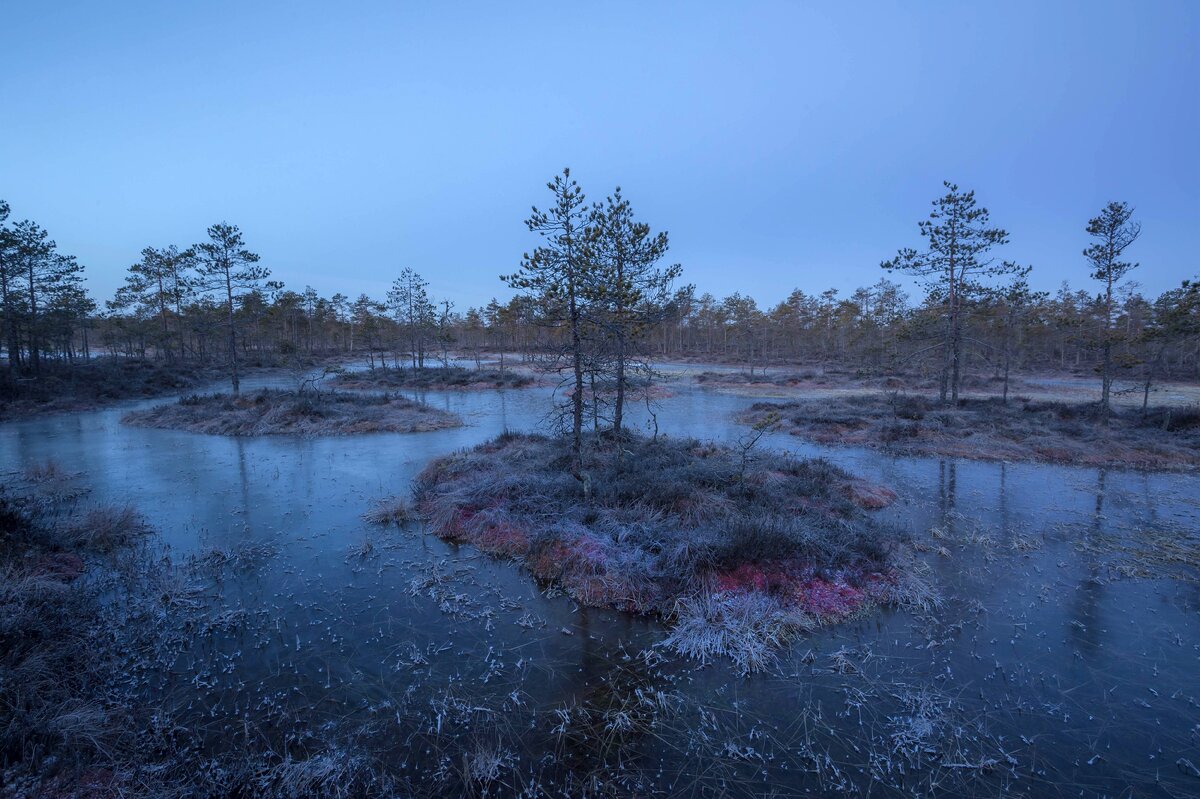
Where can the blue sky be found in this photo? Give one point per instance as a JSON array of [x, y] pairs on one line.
[[782, 145]]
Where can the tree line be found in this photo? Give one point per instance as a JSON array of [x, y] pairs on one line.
[[595, 299]]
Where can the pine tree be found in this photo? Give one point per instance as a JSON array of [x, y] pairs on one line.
[[631, 290], [8, 289], [158, 285], [232, 271], [42, 274], [559, 273], [1113, 231], [413, 311], [958, 239]]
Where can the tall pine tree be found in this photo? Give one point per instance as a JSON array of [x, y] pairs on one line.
[[958, 237], [631, 288], [1113, 231], [231, 271], [559, 274]]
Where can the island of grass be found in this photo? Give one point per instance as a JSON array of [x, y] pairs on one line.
[[738, 553], [761, 378], [273, 412], [990, 429], [64, 387], [433, 378], [83, 386], [833, 381]]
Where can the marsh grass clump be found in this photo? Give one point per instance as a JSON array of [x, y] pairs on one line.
[[989, 429], [243, 556], [389, 510], [669, 524], [434, 378], [748, 628], [107, 528], [274, 412], [55, 654]]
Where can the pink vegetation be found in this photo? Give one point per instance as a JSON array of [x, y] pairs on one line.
[[592, 571], [503, 540], [495, 538], [829, 595]]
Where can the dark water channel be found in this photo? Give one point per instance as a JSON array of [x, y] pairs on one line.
[[1064, 661]]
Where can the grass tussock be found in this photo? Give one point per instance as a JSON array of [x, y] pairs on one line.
[[389, 510], [988, 429], [106, 529], [678, 528], [434, 378], [273, 412]]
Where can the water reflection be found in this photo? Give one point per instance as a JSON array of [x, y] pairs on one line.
[[948, 494]]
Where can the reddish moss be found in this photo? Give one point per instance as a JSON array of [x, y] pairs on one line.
[[503, 540], [828, 596]]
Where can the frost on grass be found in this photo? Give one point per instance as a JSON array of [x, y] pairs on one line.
[[54, 652], [988, 429], [272, 412], [747, 627], [92, 616], [739, 553]]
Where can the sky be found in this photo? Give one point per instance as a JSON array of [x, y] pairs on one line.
[[781, 145]]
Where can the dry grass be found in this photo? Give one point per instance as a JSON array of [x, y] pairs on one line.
[[389, 510], [271, 412], [105, 529], [1022, 430]]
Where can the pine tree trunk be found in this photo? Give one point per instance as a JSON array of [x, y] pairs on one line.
[[35, 356], [233, 353]]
